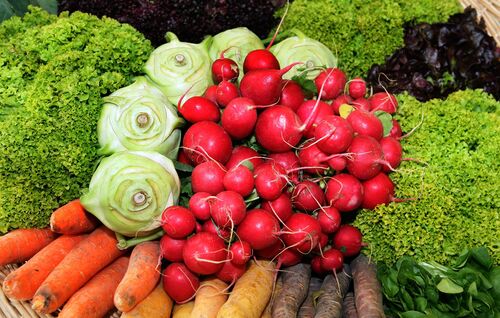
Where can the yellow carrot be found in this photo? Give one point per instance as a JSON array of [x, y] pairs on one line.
[[157, 304], [183, 310], [211, 295]]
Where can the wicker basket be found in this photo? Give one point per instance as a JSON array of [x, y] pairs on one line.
[[489, 11]]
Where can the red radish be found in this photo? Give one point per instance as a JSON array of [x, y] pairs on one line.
[[177, 221], [261, 59], [281, 208], [323, 241], [226, 92], [199, 206], [204, 253], [307, 196], [357, 88], [366, 158], [313, 115], [332, 80], [289, 161], [362, 104], [366, 124], [288, 257], [337, 163], [240, 252], [239, 117], [208, 177], [332, 260], [292, 95], [348, 240], [211, 93], [316, 265], [198, 228], [339, 101], [259, 229], [384, 101], [344, 192], [206, 141], [182, 157], [228, 209], [224, 69], [210, 227], [396, 131], [179, 282], [312, 159], [329, 219], [302, 232], [278, 129], [272, 251], [270, 180], [263, 86], [334, 134], [245, 154], [377, 190], [393, 153], [171, 249], [230, 272], [198, 108], [239, 179]]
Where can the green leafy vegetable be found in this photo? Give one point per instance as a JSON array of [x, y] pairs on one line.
[[9, 8]]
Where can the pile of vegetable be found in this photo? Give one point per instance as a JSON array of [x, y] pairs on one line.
[[441, 58], [54, 72]]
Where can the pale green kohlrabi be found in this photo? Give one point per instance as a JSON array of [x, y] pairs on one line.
[[139, 117], [176, 67], [129, 190], [299, 48], [236, 44]]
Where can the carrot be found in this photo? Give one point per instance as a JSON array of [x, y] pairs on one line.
[[251, 292], [91, 255], [277, 289], [307, 309], [22, 283], [142, 276], [331, 294], [210, 296], [71, 218], [95, 298], [367, 290], [349, 307], [20, 245], [183, 310], [295, 285], [158, 304]]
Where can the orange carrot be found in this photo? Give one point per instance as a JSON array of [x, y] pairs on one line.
[[20, 245], [22, 283], [95, 299], [91, 255], [71, 218], [141, 278]]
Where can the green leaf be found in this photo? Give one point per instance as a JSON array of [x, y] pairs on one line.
[[447, 286], [481, 255], [413, 314], [386, 120], [306, 84], [421, 303], [9, 8], [6, 10], [472, 289], [182, 166]]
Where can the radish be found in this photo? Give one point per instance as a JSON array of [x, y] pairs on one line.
[[348, 240], [288, 257], [307, 196], [226, 92], [366, 158], [292, 95], [393, 153], [313, 115], [357, 88], [198, 108], [263, 86], [344, 192], [182, 157], [224, 69], [334, 134], [211, 93], [278, 129], [396, 131], [289, 161], [198, 228], [337, 163], [259, 228], [260, 59], [302, 232], [329, 219], [312, 159], [239, 117], [205, 141], [199, 206], [270, 180], [208, 177], [322, 243], [228, 209], [332, 260], [281, 208], [179, 282], [332, 80], [272, 251], [171, 249], [240, 252], [377, 190], [366, 124], [316, 265], [230, 272], [339, 101], [204, 253], [177, 221], [361, 104], [244, 154], [384, 101], [239, 179], [210, 227]]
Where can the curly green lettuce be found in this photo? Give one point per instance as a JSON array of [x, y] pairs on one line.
[[54, 72], [457, 186]]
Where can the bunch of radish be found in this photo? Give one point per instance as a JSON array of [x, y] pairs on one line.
[[276, 170]]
